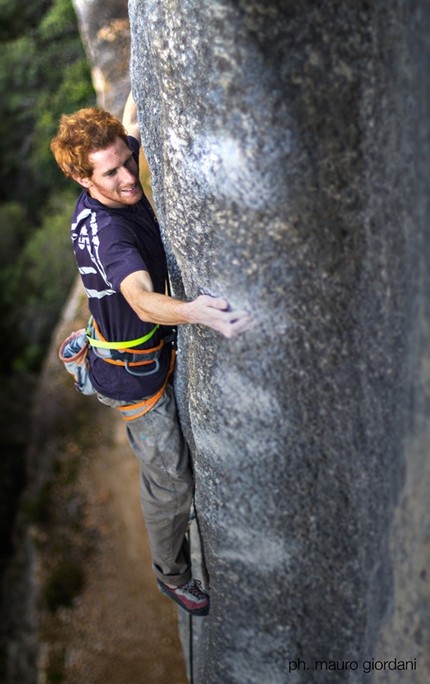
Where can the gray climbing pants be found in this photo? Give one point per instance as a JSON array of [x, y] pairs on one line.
[[166, 484]]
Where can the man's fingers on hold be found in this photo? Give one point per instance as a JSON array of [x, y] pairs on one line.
[[218, 303], [239, 317], [238, 325]]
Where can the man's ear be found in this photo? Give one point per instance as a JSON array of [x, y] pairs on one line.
[[85, 182]]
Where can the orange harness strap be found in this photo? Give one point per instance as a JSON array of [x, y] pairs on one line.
[[117, 362], [134, 411]]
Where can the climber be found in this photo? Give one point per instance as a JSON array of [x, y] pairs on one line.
[[122, 264]]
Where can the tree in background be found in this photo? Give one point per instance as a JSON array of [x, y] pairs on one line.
[[43, 73]]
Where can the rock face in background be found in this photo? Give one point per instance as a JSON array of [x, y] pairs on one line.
[[289, 151], [105, 32]]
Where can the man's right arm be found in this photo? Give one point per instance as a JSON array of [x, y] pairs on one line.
[[205, 310]]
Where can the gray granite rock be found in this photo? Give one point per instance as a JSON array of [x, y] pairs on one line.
[[289, 149], [105, 31]]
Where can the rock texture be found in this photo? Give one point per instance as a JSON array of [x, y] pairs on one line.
[[289, 146], [105, 31]]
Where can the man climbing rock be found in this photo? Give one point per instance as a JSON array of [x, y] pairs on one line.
[[122, 264]]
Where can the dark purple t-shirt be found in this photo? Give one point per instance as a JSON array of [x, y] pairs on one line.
[[109, 245]]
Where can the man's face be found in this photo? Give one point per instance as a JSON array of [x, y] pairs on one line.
[[115, 180]]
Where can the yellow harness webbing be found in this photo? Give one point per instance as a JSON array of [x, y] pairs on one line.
[[104, 344], [141, 357]]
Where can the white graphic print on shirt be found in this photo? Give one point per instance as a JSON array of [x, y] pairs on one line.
[[92, 245]]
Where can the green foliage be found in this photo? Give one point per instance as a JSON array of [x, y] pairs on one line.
[[58, 21], [17, 80], [14, 228], [74, 92], [37, 510], [42, 277], [12, 479], [43, 73], [64, 584], [55, 671], [17, 17]]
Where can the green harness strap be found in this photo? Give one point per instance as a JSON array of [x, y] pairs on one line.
[[119, 345]]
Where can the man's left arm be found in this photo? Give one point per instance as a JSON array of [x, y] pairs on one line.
[[129, 118], [210, 311]]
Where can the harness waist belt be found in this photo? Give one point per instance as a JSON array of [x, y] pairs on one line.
[[104, 344], [122, 353]]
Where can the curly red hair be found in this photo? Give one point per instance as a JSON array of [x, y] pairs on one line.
[[80, 134]]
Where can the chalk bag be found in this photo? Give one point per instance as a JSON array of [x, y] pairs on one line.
[[74, 354]]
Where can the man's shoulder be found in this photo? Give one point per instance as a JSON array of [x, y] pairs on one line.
[[81, 212], [95, 224], [100, 214], [134, 146]]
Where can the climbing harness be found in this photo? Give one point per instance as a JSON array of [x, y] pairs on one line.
[[74, 353], [133, 411], [123, 354]]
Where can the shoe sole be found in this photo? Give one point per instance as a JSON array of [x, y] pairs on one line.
[[200, 612]]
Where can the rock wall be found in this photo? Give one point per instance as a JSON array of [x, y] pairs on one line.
[[105, 32], [288, 145]]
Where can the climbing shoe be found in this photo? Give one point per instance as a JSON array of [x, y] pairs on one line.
[[189, 596]]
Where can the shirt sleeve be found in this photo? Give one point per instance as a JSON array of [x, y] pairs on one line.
[[134, 146]]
